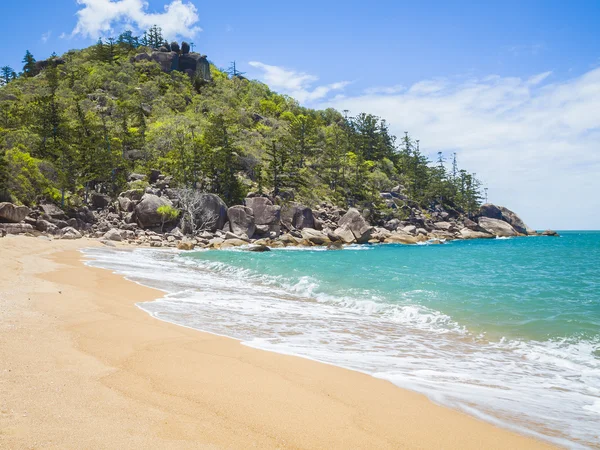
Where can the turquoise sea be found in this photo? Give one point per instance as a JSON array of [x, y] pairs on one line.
[[506, 329]]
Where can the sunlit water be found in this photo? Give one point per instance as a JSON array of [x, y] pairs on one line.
[[506, 329]]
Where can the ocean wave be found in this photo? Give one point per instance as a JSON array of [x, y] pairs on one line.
[[553, 386]]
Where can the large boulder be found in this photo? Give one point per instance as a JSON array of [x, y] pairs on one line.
[[265, 213], [315, 237], [100, 201], [516, 222], [241, 220], [400, 237], [550, 233], [168, 61], [113, 235], [356, 223], [295, 215], [468, 233], [145, 211], [53, 211], [126, 205], [492, 211], [12, 213], [345, 235], [70, 233], [16, 228], [45, 226], [497, 227], [212, 213]]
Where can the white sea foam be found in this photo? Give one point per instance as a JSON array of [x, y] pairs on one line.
[[548, 389]]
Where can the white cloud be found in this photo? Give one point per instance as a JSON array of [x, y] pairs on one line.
[[396, 89], [535, 145], [102, 17], [46, 36], [297, 84]]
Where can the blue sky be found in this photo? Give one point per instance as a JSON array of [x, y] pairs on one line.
[[513, 86]]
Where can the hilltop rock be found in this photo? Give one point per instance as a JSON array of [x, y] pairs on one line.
[[356, 223], [13, 213], [241, 220], [193, 64], [497, 227], [145, 211]]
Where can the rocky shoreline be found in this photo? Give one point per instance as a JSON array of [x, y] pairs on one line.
[[261, 223]]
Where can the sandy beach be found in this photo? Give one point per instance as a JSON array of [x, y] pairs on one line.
[[82, 367]]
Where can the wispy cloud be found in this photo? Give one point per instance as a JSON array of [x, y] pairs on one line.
[[535, 143], [46, 36], [396, 89], [299, 85], [101, 17], [526, 49]]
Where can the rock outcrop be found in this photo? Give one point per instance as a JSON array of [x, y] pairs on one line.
[[193, 64], [266, 215], [212, 213], [53, 211], [241, 220], [356, 223], [468, 233], [145, 211], [16, 228], [315, 237], [295, 215], [492, 211], [497, 227], [12, 213]]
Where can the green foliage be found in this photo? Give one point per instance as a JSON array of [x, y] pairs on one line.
[[88, 123], [167, 214], [29, 68], [26, 182], [4, 179]]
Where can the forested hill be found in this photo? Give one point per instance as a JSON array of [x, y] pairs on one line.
[[87, 120]]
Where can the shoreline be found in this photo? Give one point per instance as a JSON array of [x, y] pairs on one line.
[[122, 377]]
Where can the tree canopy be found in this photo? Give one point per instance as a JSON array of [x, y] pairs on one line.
[[89, 119]]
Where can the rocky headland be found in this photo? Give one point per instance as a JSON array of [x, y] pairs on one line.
[[203, 220]]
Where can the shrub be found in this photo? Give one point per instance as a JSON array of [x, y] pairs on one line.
[[26, 181], [167, 214]]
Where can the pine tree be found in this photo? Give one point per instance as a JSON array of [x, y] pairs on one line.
[[29, 68], [6, 75]]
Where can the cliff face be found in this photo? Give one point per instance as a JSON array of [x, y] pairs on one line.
[[193, 64]]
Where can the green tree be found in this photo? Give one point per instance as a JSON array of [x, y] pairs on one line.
[[6, 75], [219, 139], [167, 214], [4, 178], [29, 68]]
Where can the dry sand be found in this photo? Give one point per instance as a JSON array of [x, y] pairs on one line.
[[82, 367]]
